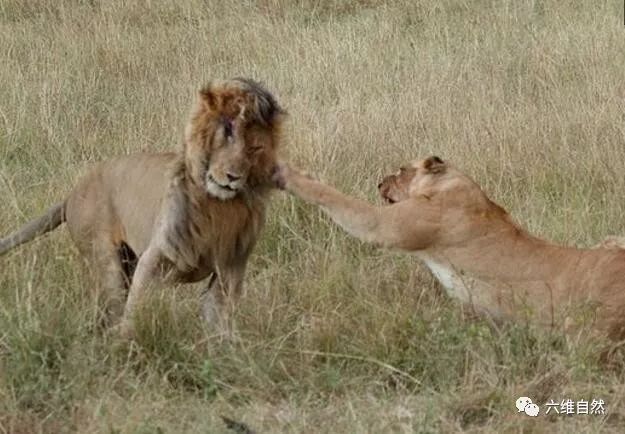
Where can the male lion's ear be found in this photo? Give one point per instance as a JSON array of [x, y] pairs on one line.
[[206, 96], [434, 165], [267, 109]]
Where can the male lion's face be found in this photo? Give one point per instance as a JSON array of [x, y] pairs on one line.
[[230, 160], [417, 175], [233, 134]]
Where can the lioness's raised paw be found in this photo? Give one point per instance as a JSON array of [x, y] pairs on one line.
[[279, 174], [284, 175]]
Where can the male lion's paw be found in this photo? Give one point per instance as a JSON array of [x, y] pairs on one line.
[[124, 331]]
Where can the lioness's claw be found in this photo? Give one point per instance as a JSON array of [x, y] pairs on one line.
[[278, 176]]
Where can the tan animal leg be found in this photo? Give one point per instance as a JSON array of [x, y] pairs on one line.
[[611, 242], [147, 275], [110, 286], [220, 297], [388, 226]]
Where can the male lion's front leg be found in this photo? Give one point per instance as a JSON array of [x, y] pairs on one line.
[[147, 274], [220, 297]]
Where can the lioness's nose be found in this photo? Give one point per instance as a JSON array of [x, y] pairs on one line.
[[232, 177]]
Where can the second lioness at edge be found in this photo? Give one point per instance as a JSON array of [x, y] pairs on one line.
[[476, 251]]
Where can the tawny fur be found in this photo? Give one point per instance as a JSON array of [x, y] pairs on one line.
[[186, 215], [477, 252]]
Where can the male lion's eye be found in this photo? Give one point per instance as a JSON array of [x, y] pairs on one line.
[[227, 129]]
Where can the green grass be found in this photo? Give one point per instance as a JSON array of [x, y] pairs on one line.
[[334, 335]]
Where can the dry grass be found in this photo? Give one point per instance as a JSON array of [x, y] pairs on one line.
[[336, 336]]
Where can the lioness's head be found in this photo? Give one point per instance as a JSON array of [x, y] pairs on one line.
[[417, 177], [232, 136]]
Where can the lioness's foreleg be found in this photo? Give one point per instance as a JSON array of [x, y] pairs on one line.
[[357, 217], [408, 225], [611, 242]]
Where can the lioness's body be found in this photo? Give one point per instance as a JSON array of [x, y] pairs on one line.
[[179, 216], [476, 251], [510, 274]]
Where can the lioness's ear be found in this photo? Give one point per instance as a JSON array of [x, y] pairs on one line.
[[434, 165]]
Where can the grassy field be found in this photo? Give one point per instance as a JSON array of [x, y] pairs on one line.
[[335, 335]]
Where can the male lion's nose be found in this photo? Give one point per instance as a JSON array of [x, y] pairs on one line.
[[232, 177], [380, 185]]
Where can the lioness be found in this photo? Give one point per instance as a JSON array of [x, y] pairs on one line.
[[472, 246], [180, 216]]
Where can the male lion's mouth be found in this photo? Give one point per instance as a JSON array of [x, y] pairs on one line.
[[214, 181], [220, 191]]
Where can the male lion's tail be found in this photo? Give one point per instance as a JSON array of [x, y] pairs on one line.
[[47, 222]]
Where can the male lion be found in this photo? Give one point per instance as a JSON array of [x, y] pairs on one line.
[[472, 246], [179, 216]]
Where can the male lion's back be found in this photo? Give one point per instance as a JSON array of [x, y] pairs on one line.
[[119, 200]]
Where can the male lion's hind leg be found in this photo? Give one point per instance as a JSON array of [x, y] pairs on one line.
[[118, 264], [114, 266], [127, 260]]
